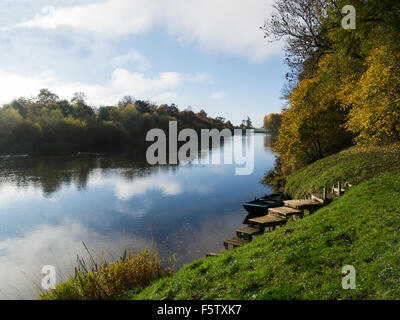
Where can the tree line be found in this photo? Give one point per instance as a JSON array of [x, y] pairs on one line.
[[46, 123], [343, 87]]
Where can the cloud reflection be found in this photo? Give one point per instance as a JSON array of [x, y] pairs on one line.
[[22, 258], [125, 190]]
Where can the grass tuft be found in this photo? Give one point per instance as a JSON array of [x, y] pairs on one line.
[[102, 280]]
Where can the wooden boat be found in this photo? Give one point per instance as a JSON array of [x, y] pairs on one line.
[[259, 207]]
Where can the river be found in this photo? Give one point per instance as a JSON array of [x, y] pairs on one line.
[[50, 206]]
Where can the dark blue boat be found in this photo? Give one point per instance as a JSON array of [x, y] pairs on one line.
[[259, 207]]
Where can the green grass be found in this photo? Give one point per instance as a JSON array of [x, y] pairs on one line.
[[353, 165], [304, 259]]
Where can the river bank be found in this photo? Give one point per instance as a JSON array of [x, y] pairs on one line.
[[304, 259]]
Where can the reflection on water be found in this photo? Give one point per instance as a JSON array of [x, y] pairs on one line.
[[269, 140], [49, 206]]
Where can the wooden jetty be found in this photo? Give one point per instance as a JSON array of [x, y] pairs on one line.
[[277, 217], [216, 254]]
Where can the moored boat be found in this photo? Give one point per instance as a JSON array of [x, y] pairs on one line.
[[259, 207]]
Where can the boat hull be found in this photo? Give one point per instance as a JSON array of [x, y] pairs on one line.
[[259, 207], [260, 210]]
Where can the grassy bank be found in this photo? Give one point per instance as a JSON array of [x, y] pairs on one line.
[[354, 165], [304, 259]]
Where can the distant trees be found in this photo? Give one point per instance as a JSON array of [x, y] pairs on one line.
[[126, 100], [104, 114], [247, 124], [202, 114], [78, 97], [47, 123], [45, 97], [272, 122]]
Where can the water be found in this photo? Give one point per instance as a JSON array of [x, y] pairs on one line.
[[49, 206]]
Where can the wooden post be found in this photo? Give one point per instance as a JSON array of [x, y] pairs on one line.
[[324, 195], [339, 188]]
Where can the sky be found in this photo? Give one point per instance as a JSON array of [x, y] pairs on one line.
[[208, 54]]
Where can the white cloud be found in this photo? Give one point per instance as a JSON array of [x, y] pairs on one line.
[[202, 77], [137, 82], [216, 25], [218, 95], [133, 60], [122, 82], [113, 17]]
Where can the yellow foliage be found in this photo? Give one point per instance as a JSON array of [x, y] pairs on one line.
[[272, 121], [313, 126], [374, 100]]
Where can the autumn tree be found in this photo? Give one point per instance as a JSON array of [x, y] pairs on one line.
[[343, 85], [314, 124], [374, 99], [272, 122]]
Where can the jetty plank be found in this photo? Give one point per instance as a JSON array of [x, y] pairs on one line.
[[320, 198], [236, 242], [303, 204], [267, 221], [248, 231], [284, 212]]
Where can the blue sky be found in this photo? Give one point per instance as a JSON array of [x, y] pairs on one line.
[[206, 54]]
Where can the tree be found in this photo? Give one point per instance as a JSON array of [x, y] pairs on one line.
[[171, 110], [66, 108], [27, 133], [45, 97], [142, 106], [303, 24], [126, 100], [249, 124], [78, 97], [272, 122], [50, 123], [9, 120], [82, 110], [104, 114], [202, 114], [313, 126], [229, 125], [342, 83], [374, 99], [16, 105]]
